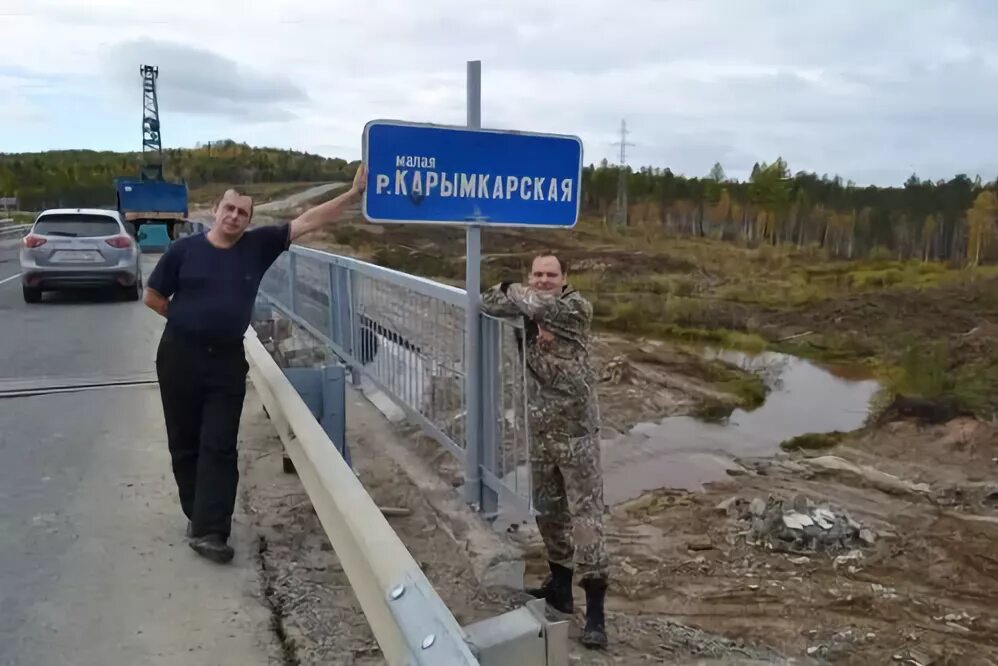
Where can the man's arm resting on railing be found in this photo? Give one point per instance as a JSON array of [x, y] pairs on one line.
[[495, 302], [330, 211], [508, 299]]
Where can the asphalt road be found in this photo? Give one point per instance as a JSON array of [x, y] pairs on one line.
[[93, 565], [72, 335]]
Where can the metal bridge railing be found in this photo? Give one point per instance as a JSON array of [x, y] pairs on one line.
[[13, 231], [406, 335]]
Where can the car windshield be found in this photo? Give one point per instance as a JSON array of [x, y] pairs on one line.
[[76, 225]]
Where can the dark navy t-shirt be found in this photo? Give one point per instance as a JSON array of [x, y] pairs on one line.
[[213, 290]]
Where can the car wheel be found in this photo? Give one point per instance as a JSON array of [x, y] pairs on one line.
[[31, 294]]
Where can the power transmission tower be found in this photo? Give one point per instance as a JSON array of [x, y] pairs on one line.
[[621, 213]]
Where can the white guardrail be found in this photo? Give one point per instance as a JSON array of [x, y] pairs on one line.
[[14, 230], [409, 620]]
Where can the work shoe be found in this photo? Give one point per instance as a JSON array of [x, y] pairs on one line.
[[556, 589], [594, 635], [212, 547]]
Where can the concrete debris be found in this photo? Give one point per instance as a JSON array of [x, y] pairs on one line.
[[797, 521], [851, 556], [726, 505], [798, 524], [914, 658]]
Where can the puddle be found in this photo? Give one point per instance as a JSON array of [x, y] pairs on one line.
[[684, 452]]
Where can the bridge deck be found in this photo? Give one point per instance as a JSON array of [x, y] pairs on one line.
[[94, 568]]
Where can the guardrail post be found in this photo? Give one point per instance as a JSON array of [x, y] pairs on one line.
[[344, 308], [333, 323], [292, 295], [354, 340], [334, 405], [491, 415]]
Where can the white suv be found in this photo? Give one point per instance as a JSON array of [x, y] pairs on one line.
[[69, 248]]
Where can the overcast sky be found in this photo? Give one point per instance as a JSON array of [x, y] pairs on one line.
[[871, 90]]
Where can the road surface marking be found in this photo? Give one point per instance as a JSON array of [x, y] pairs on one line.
[[10, 278]]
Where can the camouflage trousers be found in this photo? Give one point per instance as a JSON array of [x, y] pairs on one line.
[[567, 479]]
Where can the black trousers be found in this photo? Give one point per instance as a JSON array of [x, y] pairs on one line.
[[202, 387]]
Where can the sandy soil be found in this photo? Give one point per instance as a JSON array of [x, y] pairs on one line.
[[926, 588]]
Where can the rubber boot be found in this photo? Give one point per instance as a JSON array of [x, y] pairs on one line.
[[556, 589], [594, 634]]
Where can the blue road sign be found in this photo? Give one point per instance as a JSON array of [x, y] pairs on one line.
[[419, 173]]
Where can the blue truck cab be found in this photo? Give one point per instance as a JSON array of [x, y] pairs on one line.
[[157, 209]]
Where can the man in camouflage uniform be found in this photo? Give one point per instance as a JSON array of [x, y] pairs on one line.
[[565, 467]]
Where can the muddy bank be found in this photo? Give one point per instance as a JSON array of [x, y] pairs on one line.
[[319, 620], [915, 574], [683, 451]]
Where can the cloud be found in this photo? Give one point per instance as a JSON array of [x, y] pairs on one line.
[[198, 81], [871, 91], [19, 100]]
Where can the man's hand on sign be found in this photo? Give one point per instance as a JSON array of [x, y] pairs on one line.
[[360, 180], [330, 211]]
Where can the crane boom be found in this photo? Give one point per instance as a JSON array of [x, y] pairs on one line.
[[155, 209], [152, 145]]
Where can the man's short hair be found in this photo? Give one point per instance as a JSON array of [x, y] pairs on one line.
[[561, 262], [239, 193]]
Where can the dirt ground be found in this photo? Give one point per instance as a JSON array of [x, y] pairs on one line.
[[924, 590], [921, 591], [711, 574], [688, 583], [316, 615]]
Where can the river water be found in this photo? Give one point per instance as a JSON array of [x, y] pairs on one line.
[[685, 452]]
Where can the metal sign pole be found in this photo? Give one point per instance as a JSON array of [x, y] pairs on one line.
[[472, 331]]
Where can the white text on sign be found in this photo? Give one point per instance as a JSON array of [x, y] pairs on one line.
[[417, 182]]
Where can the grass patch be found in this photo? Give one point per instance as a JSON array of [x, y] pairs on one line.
[[716, 337], [813, 441], [932, 372], [22, 218], [878, 314], [713, 412], [749, 387], [975, 387], [416, 262]]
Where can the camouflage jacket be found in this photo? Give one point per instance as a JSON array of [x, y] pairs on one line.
[[562, 378]]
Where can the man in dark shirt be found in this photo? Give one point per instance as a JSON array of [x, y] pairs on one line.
[[205, 285]]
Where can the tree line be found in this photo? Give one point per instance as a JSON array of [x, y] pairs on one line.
[[86, 178], [953, 220]]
